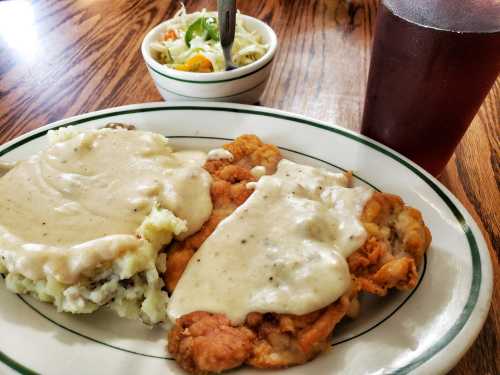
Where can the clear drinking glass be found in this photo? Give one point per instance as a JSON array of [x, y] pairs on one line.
[[432, 65]]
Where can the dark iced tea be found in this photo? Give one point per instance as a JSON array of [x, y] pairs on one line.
[[433, 63]]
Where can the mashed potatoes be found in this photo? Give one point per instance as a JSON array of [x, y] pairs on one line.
[[131, 285], [83, 223]]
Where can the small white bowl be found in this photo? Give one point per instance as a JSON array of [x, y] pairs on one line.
[[242, 85]]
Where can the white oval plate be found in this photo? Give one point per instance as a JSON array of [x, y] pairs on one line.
[[425, 331]]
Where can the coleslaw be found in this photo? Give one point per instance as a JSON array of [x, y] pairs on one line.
[[191, 43]]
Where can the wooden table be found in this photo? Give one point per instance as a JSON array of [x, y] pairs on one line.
[[62, 58]]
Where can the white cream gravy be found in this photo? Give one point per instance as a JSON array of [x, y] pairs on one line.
[[219, 154], [258, 171], [282, 251], [78, 204]]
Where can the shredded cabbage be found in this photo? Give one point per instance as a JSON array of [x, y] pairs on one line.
[[173, 51]]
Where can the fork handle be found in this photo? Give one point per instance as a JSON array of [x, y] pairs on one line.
[[227, 21]]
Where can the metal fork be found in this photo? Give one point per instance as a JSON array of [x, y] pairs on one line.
[[227, 26]]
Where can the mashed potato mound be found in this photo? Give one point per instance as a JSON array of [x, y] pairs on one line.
[[83, 224], [131, 285]]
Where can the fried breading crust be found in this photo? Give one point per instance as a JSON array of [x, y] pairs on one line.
[[285, 340], [397, 241], [206, 343]]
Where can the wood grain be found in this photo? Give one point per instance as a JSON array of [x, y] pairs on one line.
[[62, 58]]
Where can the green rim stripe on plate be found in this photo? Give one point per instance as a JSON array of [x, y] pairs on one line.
[[392, 312], [464, 315], [474, 250], [88, 337], [211, 97], [214, 81], [15, 365]]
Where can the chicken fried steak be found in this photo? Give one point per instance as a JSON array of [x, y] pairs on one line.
[[203, 342]]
